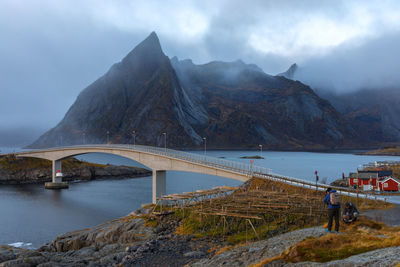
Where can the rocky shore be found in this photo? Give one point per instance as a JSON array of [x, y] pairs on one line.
[[22, 171], [127, 241]]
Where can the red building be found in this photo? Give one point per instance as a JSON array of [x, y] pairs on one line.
[[389, 184], [369, 180]]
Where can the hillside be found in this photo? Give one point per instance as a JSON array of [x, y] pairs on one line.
[[371, 111]]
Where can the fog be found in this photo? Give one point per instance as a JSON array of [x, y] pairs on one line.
[[51, 50], [373, 65]]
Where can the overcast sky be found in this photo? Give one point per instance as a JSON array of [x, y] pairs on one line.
[[51, 50]]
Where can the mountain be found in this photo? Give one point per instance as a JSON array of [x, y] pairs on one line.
[[247, 107], [290, 73], [373, 112], [232, 104], [141, 93]]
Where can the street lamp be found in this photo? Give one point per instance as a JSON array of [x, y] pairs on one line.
[[108, 137], [205, 145], [165, 141], [134, 137], [260, 146]]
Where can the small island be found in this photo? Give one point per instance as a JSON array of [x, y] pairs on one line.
[[387, 151], [15, 170], [252, 157]]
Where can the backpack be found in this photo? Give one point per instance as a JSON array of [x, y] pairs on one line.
[[335, 198]]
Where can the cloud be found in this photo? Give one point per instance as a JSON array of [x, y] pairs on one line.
[[373, 65]]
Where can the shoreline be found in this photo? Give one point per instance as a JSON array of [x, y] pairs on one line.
[[77, 179]]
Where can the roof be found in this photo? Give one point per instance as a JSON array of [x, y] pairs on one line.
[[391, 178], [379, 172]]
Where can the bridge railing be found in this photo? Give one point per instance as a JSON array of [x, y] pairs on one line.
[[235, 166]]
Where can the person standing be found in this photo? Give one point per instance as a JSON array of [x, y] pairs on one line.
[[332, 199]]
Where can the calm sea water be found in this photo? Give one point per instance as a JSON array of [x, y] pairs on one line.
[[31, 216]]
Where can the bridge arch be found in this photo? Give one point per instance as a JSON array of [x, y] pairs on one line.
[[158, 162]]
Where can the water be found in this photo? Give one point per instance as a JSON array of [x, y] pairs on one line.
[[31, 216]]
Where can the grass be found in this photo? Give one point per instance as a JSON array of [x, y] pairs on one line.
[[12, 163], [360, 237]]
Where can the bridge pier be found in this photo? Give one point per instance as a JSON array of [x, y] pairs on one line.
[[56, 182], [56, 166], [159, 184]]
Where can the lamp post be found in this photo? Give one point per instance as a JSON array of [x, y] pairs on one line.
[[205, 145], [165, 141], [108, 137], [84, 137], [260, 146], [134, 138]]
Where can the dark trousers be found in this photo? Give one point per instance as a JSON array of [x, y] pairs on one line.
[[333, 213]]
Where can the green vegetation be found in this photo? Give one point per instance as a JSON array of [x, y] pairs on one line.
[[12, 163]]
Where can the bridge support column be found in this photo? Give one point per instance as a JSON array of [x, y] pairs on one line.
[[56, 166], [159, 184], [56, 182]]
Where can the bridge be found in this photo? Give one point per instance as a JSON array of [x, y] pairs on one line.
[[160, 160]]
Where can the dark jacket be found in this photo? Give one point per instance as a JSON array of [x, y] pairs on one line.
[[327, 200], [350, 210]]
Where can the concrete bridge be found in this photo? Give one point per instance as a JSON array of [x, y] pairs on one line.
[[158, 159], [161, 160]]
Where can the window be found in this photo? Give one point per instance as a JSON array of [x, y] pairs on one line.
[[355, 180], [385, 185]]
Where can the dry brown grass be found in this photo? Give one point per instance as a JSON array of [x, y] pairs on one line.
[[359, 237]]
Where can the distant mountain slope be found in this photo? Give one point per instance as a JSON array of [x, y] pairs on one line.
[[373, 112], [232, 104], [247, 107]]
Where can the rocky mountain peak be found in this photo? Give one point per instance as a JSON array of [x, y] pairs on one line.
[[290, 72], [149, 49]]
